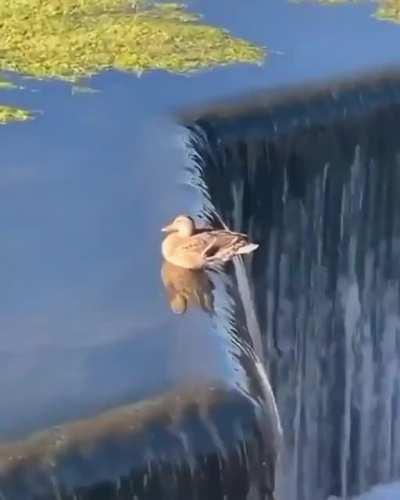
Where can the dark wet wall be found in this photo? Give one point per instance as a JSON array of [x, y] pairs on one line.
[[314, 176], [193, 443]]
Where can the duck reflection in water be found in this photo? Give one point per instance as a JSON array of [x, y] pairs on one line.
[[187, 287]]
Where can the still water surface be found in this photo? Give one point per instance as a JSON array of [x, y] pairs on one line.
[[84, 189]]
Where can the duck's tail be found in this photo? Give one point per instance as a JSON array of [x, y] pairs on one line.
[[250, 247], [225, 254]]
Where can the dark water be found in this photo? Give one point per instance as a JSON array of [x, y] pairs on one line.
[[314, 177], [85, 325]]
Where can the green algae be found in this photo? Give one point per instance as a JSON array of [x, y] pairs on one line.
[[7, 85], [337, 2], [329, 2], [11, 114], [333, 2], [388, 10], [72, 39]]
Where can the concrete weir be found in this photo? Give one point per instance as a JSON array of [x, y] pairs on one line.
[[313, 175], [192, 443]]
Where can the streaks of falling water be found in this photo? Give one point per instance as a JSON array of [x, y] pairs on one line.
[[363, 379], [322, 199]]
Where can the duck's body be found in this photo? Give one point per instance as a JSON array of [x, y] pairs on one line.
[[193, 248]]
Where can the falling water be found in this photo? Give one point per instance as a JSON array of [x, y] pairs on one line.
[[314, 176]]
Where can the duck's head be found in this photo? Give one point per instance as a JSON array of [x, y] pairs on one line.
[[183, 225]]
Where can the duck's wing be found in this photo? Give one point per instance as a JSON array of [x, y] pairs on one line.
[[220, 240], [196, 243], [208, 247]]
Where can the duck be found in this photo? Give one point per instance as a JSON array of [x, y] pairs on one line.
[[190, 247]]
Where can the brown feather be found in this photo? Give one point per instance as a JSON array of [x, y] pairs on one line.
[[199, 247]]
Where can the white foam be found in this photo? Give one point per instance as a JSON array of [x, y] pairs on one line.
[[381, 492]]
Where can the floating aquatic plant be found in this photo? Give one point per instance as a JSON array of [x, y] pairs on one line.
[[71, 39], [389, 10], [336, 1], [7, 85], [11, 114], [327, 2]]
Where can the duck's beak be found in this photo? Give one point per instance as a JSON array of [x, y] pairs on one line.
[[168, 229]]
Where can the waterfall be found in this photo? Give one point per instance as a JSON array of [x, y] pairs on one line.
[[313, 175]]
